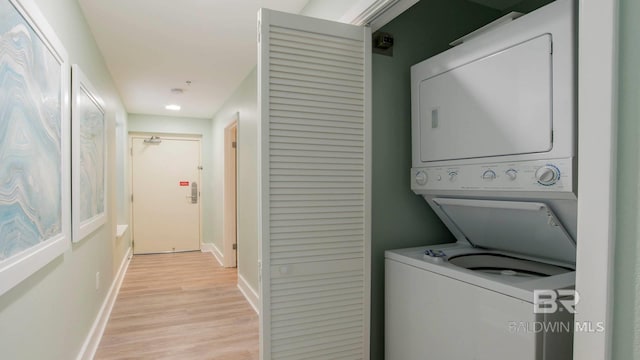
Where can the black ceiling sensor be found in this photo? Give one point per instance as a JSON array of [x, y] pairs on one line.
[[382, 43]]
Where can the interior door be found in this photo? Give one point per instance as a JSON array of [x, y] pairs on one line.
[[230, 199], [166, 195], [314, 101]]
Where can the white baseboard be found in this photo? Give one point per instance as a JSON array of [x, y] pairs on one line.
[[90, 346], [213, 249], [249, 293]]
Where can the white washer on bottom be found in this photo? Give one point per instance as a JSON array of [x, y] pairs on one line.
[[464, 302]]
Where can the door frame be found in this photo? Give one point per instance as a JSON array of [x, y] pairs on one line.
[[597, 152], [169, 136], [230, 195]]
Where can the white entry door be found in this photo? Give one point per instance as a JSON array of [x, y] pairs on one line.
[[165, 194], [315, 136]]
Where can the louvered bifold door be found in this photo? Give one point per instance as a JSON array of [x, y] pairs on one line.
[[315, 131]]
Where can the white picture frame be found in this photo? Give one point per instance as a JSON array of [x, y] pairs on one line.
[[88, 157], [34, 144]]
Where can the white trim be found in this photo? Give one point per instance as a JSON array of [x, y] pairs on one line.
[[391, 13], [597, 108], [368, 185], [121, 229], [90, 346], [264, 266], [376, 13], [213, 249], [366, 11], [249, 293]]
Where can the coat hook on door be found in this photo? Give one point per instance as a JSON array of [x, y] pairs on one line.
[[153, 140]]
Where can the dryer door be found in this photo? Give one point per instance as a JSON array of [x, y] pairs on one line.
[[499, 104]]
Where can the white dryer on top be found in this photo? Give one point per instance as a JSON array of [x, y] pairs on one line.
[[498, 112]]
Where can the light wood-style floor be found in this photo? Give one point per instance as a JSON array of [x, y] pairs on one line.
[[180, 306]]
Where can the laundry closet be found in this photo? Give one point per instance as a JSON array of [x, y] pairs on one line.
[[406, 220]]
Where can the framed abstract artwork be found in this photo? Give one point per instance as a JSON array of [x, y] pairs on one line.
[[88, 157], [34, 143]]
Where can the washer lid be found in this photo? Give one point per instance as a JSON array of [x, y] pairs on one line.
[[528, 228]]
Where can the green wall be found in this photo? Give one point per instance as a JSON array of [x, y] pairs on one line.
[[49, 315], [191, 126], [626, 337], [400, 218], [244, 102]]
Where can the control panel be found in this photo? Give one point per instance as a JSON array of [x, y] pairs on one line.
[[536, 175]]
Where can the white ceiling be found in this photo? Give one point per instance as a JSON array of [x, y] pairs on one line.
[[152, 46]]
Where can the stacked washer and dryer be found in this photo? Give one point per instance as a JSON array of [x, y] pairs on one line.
[[494, 155]]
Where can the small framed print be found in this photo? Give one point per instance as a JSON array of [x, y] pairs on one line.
[[88, 157]]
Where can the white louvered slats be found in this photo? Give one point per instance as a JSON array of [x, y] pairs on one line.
[[314, 188]]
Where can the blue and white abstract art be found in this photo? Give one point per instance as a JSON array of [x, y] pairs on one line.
[[89, 157], [92, 156], [32, 142]]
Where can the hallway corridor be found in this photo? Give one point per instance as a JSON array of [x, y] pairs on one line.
[[180, 306]]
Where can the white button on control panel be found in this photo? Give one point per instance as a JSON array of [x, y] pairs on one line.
[[421, 177]]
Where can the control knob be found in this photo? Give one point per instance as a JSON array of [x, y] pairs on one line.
[[548, 175], [512, 174], [489, 175], [421, 178]]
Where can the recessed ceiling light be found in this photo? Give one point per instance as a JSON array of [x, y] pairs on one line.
[[173, 107]]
